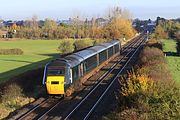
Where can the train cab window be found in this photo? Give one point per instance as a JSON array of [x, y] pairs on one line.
[[56, 72]]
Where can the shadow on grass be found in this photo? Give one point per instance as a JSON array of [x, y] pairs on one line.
[[16, 60], [28, 77], [169, 53]]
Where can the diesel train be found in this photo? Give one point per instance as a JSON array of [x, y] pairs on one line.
[[60, 73]]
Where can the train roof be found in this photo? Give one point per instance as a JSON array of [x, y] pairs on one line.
[[76, 58], [86, 53], [98, 48], [110, 44], [115, 42]]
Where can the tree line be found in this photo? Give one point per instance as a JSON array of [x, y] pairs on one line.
[[117, 25]]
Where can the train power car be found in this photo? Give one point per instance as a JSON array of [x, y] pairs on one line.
[[60, 73]]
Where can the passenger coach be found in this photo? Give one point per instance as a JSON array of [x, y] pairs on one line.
[[60, 73]]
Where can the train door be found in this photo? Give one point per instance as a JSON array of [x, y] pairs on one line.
[[81, 69]]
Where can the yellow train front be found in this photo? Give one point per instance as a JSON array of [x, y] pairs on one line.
[[56, 77]]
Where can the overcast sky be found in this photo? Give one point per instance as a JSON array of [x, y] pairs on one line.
[[63, 9]]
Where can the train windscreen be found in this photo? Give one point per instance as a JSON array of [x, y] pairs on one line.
[[56, 72]]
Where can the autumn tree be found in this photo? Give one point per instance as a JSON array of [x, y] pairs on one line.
[[160, 33], [76, 26], [49, 28], [66, 46], [120, 24], [86, 28], [94, 30], [13, 28]]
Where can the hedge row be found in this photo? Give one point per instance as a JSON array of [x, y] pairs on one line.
[[14, 51], [149, 93]]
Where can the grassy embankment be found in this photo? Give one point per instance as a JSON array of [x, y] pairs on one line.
[[36, 54], [172, 60]]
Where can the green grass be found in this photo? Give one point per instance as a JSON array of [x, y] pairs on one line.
[[36, 54], [173, 61]]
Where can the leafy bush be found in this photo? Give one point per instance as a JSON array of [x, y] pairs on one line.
[[10, 92], [160, 32], [151, 56], [136, 83], [153, 64], [14, 51], [150, 99], [161, 101], [12, 98], [80, 44], [66, 46], [154, 43]]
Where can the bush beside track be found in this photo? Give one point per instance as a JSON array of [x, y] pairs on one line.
[[21, 90], [150, 93], [14, 51]]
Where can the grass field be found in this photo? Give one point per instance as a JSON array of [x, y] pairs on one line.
[[173, 60], [36, 54]]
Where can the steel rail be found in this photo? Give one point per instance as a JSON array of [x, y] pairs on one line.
[[41, 117], [31, 110]]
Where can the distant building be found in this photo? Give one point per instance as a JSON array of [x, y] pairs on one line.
[[3, 34], [20, 23], [101, 22], [67, 22], [8, 23], [1, 24], [70, 21], [151, 26]]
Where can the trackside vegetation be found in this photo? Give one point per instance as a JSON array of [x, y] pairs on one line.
[[12, 98], [14, 51], [149, 93]]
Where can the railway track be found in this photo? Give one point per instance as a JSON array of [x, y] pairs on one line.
[[40, 111], [84, 109], [41, 108]]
